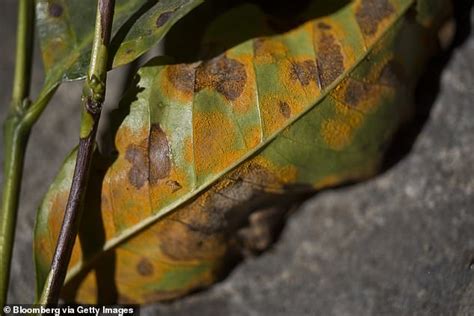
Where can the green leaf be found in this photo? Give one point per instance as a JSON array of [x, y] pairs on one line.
[[207, 144], [66, 28]]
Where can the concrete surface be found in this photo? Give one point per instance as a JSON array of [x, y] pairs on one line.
[[399, 244]]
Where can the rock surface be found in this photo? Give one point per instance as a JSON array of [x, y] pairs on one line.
[[399, 244]]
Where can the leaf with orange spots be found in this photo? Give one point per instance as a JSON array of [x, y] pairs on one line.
[[66, 28], [211, 152]]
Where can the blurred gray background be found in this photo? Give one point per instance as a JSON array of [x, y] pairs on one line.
[[399, 244]]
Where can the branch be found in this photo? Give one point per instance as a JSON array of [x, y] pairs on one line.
[[15, 135], [92, 98]]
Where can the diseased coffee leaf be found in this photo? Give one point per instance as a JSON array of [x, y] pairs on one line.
[[66, 29], [210, 149]]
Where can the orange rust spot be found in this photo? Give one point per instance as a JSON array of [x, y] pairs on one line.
[[268, 49], [253, 137], [270, 108], [336, 134], [277, 107], [284, 174], [215, 141], [126, 136], [353, 118], [163, 192]]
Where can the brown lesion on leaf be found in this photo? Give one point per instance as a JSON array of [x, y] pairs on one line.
[[258, 45], [330, 61], [355, 92], [158, 154], [55, 9], [304, 72], [201, 229], [145, 267], [173, 185], [323, 26], [137, 174], [225, 75], [181, 77], [370, 13], [392, 73], [150, 160], [285, 109], [191, 233], [365, 93], [163, 18]]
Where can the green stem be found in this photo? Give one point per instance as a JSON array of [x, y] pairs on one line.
[[16, 134], [24, 51], [92, 98], [15, 138]]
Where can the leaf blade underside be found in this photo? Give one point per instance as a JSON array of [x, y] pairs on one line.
[[313, 107]]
